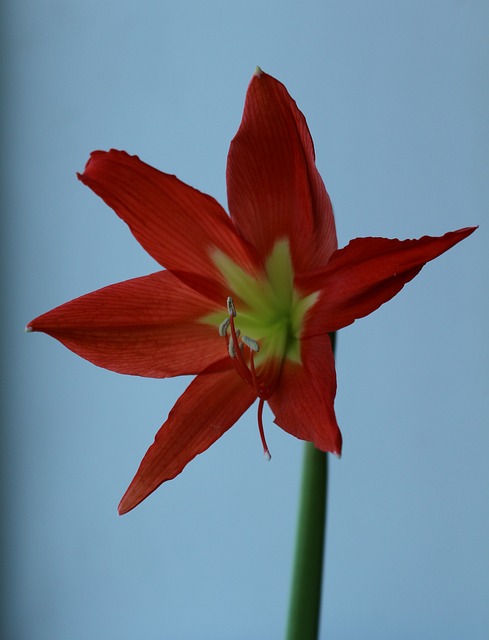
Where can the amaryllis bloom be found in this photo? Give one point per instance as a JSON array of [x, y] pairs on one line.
[[245, 301]]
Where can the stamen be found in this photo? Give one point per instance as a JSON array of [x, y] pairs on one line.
[[232, 344], [251, 343], [235, 350], [262, 432], [223, 327], [231, 307]]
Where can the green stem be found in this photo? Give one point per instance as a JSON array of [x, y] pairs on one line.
[[305, 597]]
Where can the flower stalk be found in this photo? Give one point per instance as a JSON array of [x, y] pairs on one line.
[[307, 577]]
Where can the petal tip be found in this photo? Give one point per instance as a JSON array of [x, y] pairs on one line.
[[126, 504], [258, 72], [29, 328]]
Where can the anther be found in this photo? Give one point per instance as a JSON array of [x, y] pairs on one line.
[[223, 327], [231, 348], [251, 343], [231, 307], [233, 345]]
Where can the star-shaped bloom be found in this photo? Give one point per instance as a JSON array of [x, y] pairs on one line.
[[245, 301]]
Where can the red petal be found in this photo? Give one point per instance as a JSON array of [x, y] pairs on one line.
[[177, 225], [208, 408], [274, 188], [365, 274], [303, 403], [146, 326]]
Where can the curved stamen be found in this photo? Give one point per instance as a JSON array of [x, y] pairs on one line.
[[251, 343], [223, 327], [231, 349], [231, 307]]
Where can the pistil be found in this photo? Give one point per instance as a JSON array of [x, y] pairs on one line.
[[261, 430]]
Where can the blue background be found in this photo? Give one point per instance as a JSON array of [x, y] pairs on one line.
[[396, 96]]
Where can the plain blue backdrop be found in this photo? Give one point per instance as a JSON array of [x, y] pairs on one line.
[[396, 96]]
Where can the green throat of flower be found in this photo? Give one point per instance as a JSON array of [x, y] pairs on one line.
[[264, 320]]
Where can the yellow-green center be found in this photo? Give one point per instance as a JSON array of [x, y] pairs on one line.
[[269, 309]]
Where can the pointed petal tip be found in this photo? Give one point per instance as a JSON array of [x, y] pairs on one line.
[[460, 234], [129, 501], [28, 328], [466, 231], [122, 509], [258, 72]]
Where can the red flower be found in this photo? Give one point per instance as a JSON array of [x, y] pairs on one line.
[[246, 301]]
